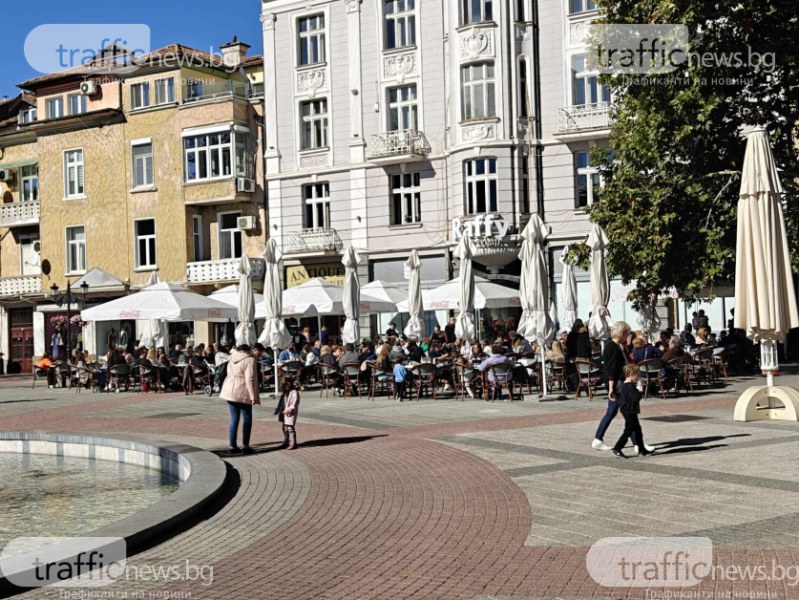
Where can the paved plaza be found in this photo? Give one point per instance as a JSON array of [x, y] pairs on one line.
[[450, 499]]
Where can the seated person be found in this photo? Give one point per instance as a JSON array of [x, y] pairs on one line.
[[687, 337], [497, 357], [287, 354], [415, 353], [438, 336], [642, 350], [675, 349], [349, 355], [46, 364]]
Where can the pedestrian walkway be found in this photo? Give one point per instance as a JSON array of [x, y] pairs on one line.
[[451, 499]]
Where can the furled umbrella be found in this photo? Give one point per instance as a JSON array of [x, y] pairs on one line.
[[275, 335], [539, 326], [464, 322], [351, 332], [599, 324], [765, 299], [245, 330], [568, 290], [415, 328]]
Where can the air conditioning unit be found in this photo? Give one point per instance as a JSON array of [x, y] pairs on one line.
[[245, 223], [88, 87], [245, 185], [7, 175]]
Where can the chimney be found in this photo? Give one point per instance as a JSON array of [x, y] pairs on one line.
[[233, 53]]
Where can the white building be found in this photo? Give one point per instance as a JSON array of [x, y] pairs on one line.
[[399, 124]]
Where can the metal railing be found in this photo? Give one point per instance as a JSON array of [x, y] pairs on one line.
[[313, 240], [199, 90], [584, 117], [18, 214], [23, 284], [222, 270], [399, 143]]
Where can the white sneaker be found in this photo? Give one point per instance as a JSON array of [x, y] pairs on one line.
[[649, 448], [52, 386], [598, 444], [635, 451]]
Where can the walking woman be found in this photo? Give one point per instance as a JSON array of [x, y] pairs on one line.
[[240, 389]]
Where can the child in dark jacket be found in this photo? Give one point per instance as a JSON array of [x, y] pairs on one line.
[[629, 402]]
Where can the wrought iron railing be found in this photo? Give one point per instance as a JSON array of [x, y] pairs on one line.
[[399, 143], [584, 117]]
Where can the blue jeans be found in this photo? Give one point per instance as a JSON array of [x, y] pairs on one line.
[[611, 412], [243, 412]]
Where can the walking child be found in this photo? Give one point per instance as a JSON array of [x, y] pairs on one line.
[[629, 401], [288, 415], [400, 374]]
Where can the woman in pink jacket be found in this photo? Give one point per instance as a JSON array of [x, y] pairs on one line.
[[240, 389], [291, 406]]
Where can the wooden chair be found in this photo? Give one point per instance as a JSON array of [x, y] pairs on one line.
[[500, 376], [351, 372], [529, 362], [650, 371], [329, 376], [119, 374], [423, 376], [38, 374], [589, 376], [378, 378], [677, 368], [151, 376], [703, 366], [719, 362], [466, 379], [556, 373]]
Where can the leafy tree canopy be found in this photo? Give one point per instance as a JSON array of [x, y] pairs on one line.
[[671, 192]]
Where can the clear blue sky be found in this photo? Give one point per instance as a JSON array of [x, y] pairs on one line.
[[196, 23]]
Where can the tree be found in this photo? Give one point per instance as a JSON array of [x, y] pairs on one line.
[[669, 202]]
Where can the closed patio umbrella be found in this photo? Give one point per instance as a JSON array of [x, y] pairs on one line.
[[415, 328], [568, 291], [765, 299], [464, 323], [539, 325], [275, 335], [599, 324], [245, 330], [351, 332]]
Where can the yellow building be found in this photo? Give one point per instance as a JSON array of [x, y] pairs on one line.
[[124, 167]]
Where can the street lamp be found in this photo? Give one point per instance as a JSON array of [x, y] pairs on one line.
[[69, 299]]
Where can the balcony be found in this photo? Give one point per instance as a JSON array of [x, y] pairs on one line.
[[19, 214], [215, 271], [583, 118], [202, 91], [313, 240], [395, 147], [17, 286]]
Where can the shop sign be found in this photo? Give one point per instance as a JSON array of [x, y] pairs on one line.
[[489, 225], [299, 274]]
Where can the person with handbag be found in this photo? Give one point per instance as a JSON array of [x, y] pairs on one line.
[[240, 390], [287, 408]]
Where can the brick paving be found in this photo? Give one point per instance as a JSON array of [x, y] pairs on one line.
[[453, 500]]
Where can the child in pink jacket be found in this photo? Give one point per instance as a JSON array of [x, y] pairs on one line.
[[291, 405]]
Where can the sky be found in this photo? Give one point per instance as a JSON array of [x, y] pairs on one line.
[[200, 24]]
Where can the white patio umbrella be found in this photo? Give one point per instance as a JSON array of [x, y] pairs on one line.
[[539, 325], [415, 328], [568, 291], [387, 293], [765, 300], [245, 330], [230, 295], [464, 322], [275, 335], [162, 301], [486, 295], [351, 333], [599, 324]]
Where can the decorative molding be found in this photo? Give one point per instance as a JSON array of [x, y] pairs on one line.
[[523, 31], [400, 66], [353, 6], [310, 82], [268, 21], [578, 32], [476, 42], [312, 161], [477, 133]]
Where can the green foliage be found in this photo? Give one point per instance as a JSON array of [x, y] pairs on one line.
[[579, 255], [670, 197]]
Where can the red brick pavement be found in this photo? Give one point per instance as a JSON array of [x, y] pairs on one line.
[[396, 516]]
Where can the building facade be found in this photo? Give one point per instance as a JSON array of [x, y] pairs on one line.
[[120, 168], [403, 124]]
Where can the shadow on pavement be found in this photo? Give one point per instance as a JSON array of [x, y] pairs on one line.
[[28, 400], [684, 445], [339, 440]]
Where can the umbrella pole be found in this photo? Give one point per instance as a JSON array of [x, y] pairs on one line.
[[274, 363], [769, 360], [543, 369]]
